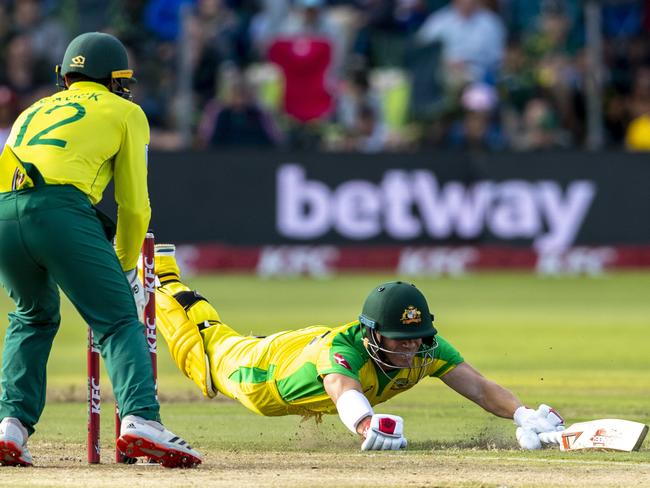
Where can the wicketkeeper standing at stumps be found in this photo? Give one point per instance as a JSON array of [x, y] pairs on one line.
[[60, 156]]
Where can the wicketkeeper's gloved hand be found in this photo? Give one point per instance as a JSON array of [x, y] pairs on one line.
[[532, 422], [385, 433], [137, 289]]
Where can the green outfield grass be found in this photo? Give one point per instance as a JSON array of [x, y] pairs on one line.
[[580, 344]]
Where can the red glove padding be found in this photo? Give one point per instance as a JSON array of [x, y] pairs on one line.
[[385, 433]]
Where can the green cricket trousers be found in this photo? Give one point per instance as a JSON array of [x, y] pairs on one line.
[[51, 235]]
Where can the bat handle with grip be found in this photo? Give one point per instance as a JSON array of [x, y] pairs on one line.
[[550, 437]]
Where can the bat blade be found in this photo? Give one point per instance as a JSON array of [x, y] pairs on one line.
[[604, 434]]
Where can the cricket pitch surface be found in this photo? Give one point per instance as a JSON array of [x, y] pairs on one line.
[[66, 466]]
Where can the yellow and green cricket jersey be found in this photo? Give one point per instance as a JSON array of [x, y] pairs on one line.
[[282, 374], [85, 136]]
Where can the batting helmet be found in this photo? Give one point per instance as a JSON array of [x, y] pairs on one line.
[[399, 311], [98, 56]]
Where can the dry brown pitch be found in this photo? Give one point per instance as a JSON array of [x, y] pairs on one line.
[[65, 466]]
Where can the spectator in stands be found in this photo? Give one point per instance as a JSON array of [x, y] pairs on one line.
[[307, 98], [385, 29], [622, 20], [518, 79], [224, 31], [163, 18], [27, 75], [478, 129], [358, 122], [523, 16], [472, 40], [212, 32], [624, 61], [6, 32], [310, 19], [266, 24], [637, 137], [540, 128], [237, 120], [557, 66], [48, 38], [368, 134], [640, 96], [465, 46], [465, 42]]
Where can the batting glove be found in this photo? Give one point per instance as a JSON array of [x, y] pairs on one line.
[[137, 289], [385, 433], [544, 419], [532, 422], [528, 439]]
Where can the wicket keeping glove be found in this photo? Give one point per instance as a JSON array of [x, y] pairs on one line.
[[532, 422], [137, 289], [385, 433]]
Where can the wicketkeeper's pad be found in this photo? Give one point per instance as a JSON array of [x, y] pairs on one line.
[[180, 313]]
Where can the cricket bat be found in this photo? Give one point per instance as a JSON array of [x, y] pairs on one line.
[[602, 434]]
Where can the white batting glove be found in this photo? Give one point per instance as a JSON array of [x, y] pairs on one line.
[[528, 439], [532, 422], [385, 433], [544, 419], [137, 289]]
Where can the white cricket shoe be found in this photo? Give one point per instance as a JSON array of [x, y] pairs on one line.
[[140, 437], [13, 443]]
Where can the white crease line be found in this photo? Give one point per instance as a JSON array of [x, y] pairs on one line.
[[561, 461]]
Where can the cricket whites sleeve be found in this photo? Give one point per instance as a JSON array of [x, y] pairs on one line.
[[131, 193]]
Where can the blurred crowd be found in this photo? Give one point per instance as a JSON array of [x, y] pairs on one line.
[[355, 75]]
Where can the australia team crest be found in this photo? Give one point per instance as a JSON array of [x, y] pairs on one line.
[[411, 316]]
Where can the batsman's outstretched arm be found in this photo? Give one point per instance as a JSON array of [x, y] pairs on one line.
[[503, 403], [494, 398], [381, 432]]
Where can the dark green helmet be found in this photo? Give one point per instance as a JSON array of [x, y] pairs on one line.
[[98, 56], [398, 310]]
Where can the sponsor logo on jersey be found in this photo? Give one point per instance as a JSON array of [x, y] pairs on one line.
[[411, 315], [78, 62], [342, 361]]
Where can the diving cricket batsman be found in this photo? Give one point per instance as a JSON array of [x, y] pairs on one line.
[[347, 369]]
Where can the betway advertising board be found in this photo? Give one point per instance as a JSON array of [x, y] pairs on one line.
[[413, 205], [544, 204]]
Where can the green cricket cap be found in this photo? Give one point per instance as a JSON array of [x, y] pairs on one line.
[[398, 310]]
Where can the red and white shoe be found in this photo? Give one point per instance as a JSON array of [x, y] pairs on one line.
[[13, 443], [148, 438]]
